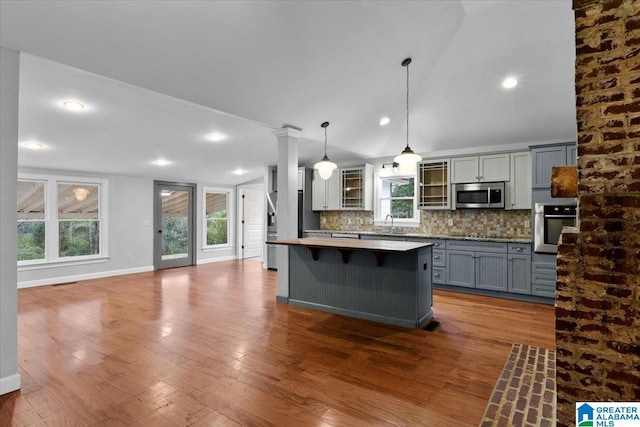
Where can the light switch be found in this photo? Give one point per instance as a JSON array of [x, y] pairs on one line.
[[145, 222], [450, 221]]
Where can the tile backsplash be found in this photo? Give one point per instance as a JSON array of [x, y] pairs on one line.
[[480, 222]]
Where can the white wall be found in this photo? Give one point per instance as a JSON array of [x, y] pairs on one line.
[[9, 78], [130, 206]]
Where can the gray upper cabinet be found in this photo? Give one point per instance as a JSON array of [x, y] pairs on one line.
[[486, 168], [546, 157], [572, 155]]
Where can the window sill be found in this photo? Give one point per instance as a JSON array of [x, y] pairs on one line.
[[216, 248], [61, 263]]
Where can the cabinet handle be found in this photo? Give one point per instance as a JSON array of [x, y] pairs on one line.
[[436, 257], [436, 274], [437, 245], [519, 249]]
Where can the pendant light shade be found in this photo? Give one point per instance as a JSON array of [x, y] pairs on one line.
[[325, 167], [407, 160]]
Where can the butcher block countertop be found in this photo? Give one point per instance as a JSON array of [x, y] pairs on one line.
[[372, 245]]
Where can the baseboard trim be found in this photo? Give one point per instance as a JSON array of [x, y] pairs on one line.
[[222, 258], [282, 300], [89, 276], [10, 383]]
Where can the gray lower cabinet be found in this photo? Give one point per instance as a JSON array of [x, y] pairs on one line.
[[461, 269], [439, 270], [491, 271], [439, 267], [481, 265], [519, 269], [543, 279]]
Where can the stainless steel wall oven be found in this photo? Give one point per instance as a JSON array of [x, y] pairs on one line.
[[548, 222]]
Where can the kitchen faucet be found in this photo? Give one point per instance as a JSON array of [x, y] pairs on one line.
[[385, 221]]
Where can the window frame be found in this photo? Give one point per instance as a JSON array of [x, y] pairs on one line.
[[378, 220], [52, 238], [230, 218]]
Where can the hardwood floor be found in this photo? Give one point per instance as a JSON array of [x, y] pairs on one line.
[[209, 346]]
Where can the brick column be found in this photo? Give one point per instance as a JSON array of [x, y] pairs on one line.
[[598, 292]]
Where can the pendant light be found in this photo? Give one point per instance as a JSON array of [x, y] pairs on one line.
[[325, 166], [407, 160]]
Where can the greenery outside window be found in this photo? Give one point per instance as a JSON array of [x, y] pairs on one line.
[[396, 196], [78, 219], [60, 219], [31, 220], [216, 218]]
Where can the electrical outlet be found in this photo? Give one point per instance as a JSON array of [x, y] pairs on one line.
[[450, 221], [349, 220], [527, 224], [360, 221], [324, 220]]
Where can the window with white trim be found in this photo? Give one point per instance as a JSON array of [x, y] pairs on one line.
[[60, 219], [216, 218], [396, 198]]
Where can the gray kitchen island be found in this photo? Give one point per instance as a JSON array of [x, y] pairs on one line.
[[383, 281]]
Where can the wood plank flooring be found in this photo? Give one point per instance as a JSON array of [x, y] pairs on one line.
[[209, 346]]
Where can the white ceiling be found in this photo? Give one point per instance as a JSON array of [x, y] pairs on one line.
[[157, 77]]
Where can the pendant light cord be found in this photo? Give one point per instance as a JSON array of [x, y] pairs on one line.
[[325, 141], [407, 105]]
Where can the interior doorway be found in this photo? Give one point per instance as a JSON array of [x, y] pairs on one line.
[[174, 221], [252, 212]]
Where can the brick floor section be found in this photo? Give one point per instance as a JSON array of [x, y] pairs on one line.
[[525, 394]]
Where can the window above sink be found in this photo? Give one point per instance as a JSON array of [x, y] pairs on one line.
[[395, 202]]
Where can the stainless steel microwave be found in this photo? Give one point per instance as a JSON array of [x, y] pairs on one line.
[[478, 195]]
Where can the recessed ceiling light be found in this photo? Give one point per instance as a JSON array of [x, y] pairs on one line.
[[215, 136], [73, 105], [239, 171], [384, 121], [161, 162], [509, 83], [33, 145]]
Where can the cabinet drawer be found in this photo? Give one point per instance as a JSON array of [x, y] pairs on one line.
[[439, 275], [543, 273], [520, 248], [439, 258], [543, 290], [472, 245]]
